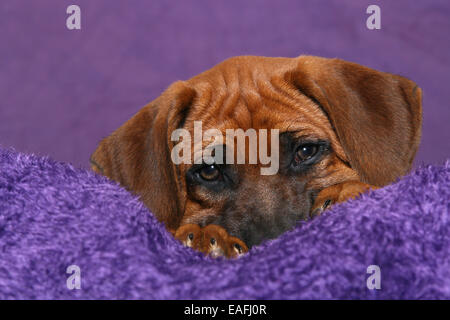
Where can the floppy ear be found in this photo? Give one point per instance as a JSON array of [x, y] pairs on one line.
[[377, 116], [138, 154]]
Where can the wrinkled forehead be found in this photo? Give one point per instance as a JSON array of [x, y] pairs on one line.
[[287, 111], [254, 93]]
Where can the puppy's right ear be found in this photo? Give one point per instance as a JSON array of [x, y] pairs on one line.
[[138, 154], [377, 116]]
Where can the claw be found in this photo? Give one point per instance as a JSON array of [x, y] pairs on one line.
[[212, 240], [189, 235], [236, 247]]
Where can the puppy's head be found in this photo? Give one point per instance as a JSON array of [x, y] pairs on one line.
[[337, 121]]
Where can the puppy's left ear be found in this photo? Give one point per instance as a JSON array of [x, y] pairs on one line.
[[377, 116], [138, 154]]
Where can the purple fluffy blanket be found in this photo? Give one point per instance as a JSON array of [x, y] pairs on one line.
[[53, 216]]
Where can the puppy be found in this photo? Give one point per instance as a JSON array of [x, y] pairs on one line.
[[343, 129]]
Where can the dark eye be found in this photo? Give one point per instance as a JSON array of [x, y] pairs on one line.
[[213, 241], [209, 173], [191, 236], [238, 247], [305, 152]]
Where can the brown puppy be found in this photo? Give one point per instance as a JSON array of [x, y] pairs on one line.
[[342, 128]]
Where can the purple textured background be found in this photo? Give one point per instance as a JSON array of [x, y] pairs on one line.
[[53, 216], [61, 91]]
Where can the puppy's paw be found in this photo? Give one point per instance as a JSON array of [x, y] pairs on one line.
[[338, 193], [236, 247], [218, 243], [212, 240], [190, 235], [215, 241]]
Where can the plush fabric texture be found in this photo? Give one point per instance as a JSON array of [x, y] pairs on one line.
[[53, 215]]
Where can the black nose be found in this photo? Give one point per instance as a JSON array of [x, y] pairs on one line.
[[254, 233]]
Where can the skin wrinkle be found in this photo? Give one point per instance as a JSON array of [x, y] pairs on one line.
[[272, 96], [246, 107], [232, 95], [289, 94]]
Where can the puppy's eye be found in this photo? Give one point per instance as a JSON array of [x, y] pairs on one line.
[[213, 241], [209, 173], [191, 236], [305, 152]]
